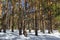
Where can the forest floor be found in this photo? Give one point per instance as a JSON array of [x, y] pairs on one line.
[[30, 36]]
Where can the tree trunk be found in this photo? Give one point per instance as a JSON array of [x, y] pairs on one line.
[[12, 20], [0, 29], [20, 19], [4, 28], [29, 28], [20, 27], [0, 24], [24, 29], [36, 28], [43, 22], [50, 22], [4, 23]]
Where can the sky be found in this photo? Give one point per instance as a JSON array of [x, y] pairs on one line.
[[22, 3]]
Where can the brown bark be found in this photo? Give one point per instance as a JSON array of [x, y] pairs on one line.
[[24, 29], [4, 23]]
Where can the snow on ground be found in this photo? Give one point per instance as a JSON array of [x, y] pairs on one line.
[[31, 36]]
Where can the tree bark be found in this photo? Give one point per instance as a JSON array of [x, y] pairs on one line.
[[24, 29], [4, 23], [36, 28]]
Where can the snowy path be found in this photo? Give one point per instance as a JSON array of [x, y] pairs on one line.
[[14, 36]]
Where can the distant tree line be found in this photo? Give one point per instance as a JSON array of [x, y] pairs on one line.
[[34, 15]]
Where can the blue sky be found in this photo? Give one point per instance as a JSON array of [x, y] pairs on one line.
[[22, 3]]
